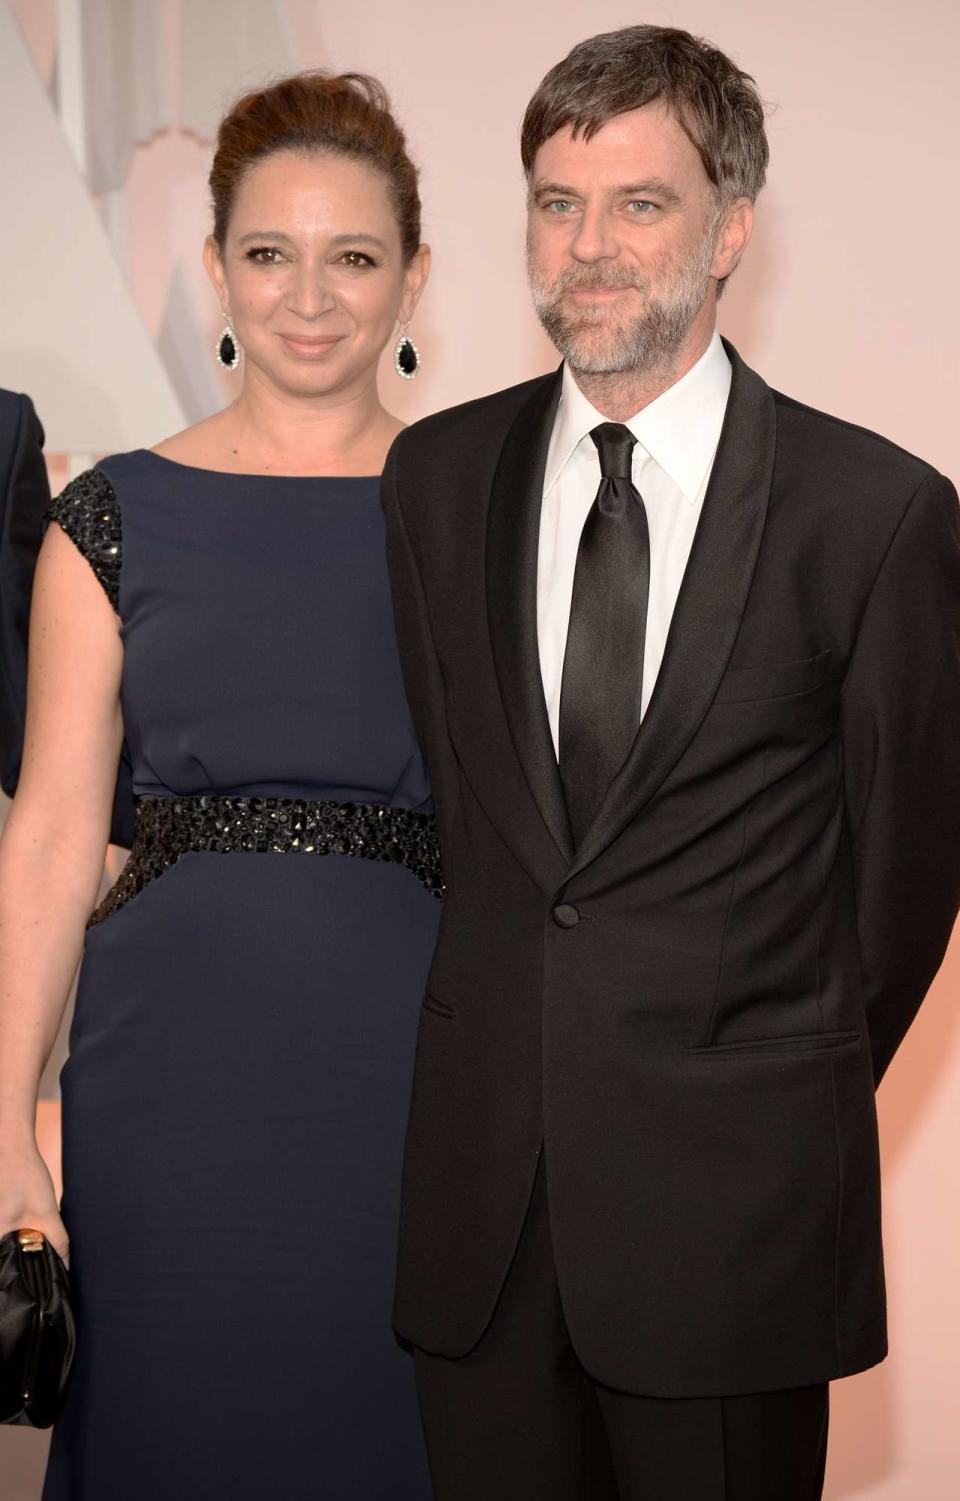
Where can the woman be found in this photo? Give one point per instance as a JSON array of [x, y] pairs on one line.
[[235, 1098]]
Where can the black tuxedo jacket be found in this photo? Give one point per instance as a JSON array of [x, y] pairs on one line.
[[24, 498], [688, 1013]]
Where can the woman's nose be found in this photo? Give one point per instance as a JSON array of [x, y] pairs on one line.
[[311, 296]]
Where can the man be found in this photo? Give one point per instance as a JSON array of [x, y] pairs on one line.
[[685, 656]]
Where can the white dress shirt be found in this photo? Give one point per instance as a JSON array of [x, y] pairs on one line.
[[677, 437]]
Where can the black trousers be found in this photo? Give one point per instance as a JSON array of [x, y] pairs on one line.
[[519, 1419]]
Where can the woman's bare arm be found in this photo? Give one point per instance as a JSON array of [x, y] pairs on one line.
[[52, 851]]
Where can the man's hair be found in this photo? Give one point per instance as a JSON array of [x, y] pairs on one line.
[[715, 103]]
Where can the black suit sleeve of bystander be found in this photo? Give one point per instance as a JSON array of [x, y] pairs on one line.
[[24, 501], [901, 733], [24, 497]]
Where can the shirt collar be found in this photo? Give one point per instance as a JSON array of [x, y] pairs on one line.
[[680, 430]]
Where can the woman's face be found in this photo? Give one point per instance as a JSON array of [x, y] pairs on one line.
[[312, 275]]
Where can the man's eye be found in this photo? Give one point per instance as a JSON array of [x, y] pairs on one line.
[[265, 255], [559, 206], [642, 206], [357, 258]]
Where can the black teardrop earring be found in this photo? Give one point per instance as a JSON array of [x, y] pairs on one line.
[[228, 347], [406, 356]]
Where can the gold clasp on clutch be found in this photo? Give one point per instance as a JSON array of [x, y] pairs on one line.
[[30, 1240]]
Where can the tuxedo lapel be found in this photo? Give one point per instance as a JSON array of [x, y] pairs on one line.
[[708, 611], [513, 532]]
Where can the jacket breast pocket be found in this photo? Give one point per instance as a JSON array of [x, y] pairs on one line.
[[741, 685]]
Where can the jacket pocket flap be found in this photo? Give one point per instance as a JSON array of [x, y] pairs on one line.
[[773, 679], [809, 1042]]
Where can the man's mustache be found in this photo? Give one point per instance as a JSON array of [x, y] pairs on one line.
[[593, 279]]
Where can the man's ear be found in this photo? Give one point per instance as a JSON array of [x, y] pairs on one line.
[[733, 238]]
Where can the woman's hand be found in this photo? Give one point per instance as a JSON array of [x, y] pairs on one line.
[[28, 1198]]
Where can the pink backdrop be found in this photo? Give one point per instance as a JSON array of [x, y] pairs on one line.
[[847, 300]]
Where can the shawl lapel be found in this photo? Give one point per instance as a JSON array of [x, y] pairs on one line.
[[708, 611], [513, 532]]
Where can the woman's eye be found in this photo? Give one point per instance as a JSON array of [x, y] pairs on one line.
[[357, 258], [265, 255]]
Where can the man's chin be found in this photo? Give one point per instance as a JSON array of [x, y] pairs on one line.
[[602, 367], [591, 357]]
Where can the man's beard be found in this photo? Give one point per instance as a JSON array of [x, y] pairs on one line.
[[589, 339]]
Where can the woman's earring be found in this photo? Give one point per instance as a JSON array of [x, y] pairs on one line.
[[406, 356], [228, 347]]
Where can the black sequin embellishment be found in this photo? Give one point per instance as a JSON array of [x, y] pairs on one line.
[[88, 511], [168, 827]]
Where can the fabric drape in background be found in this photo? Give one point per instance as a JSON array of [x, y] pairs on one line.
[[126, 96], [71, 333], [227, 46]]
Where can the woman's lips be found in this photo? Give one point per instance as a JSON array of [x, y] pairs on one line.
[[310, 349]]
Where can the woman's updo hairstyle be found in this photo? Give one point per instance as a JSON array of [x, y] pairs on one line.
[[347, 114]]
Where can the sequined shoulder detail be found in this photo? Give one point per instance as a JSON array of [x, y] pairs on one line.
[[89, 513]]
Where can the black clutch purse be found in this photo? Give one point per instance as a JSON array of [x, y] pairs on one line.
[[37, 1330]]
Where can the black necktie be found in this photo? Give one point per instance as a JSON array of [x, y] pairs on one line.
[[602, 683]]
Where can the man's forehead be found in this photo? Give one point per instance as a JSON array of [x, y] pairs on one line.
[[641, 142]]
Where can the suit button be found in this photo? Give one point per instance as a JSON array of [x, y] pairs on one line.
[[566, 916]]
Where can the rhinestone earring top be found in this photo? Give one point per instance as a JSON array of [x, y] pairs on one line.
[[406, 356], [228, 347]]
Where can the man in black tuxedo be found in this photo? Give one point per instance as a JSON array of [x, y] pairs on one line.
[[685, 657]]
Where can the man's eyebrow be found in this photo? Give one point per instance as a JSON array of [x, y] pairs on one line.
[[541, 186], [655, 186]]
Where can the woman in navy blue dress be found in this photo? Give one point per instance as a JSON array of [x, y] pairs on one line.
[[235, 1097]]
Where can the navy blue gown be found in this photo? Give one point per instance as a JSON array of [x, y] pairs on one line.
[[235, 1097]]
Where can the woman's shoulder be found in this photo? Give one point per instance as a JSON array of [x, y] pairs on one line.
[[106, 484], [123, 477]]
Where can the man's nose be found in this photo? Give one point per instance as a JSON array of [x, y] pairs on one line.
[[595, 239]]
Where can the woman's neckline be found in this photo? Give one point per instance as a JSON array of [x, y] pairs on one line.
[[366, 479]]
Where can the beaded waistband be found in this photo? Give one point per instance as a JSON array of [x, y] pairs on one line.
[[168, 827]]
